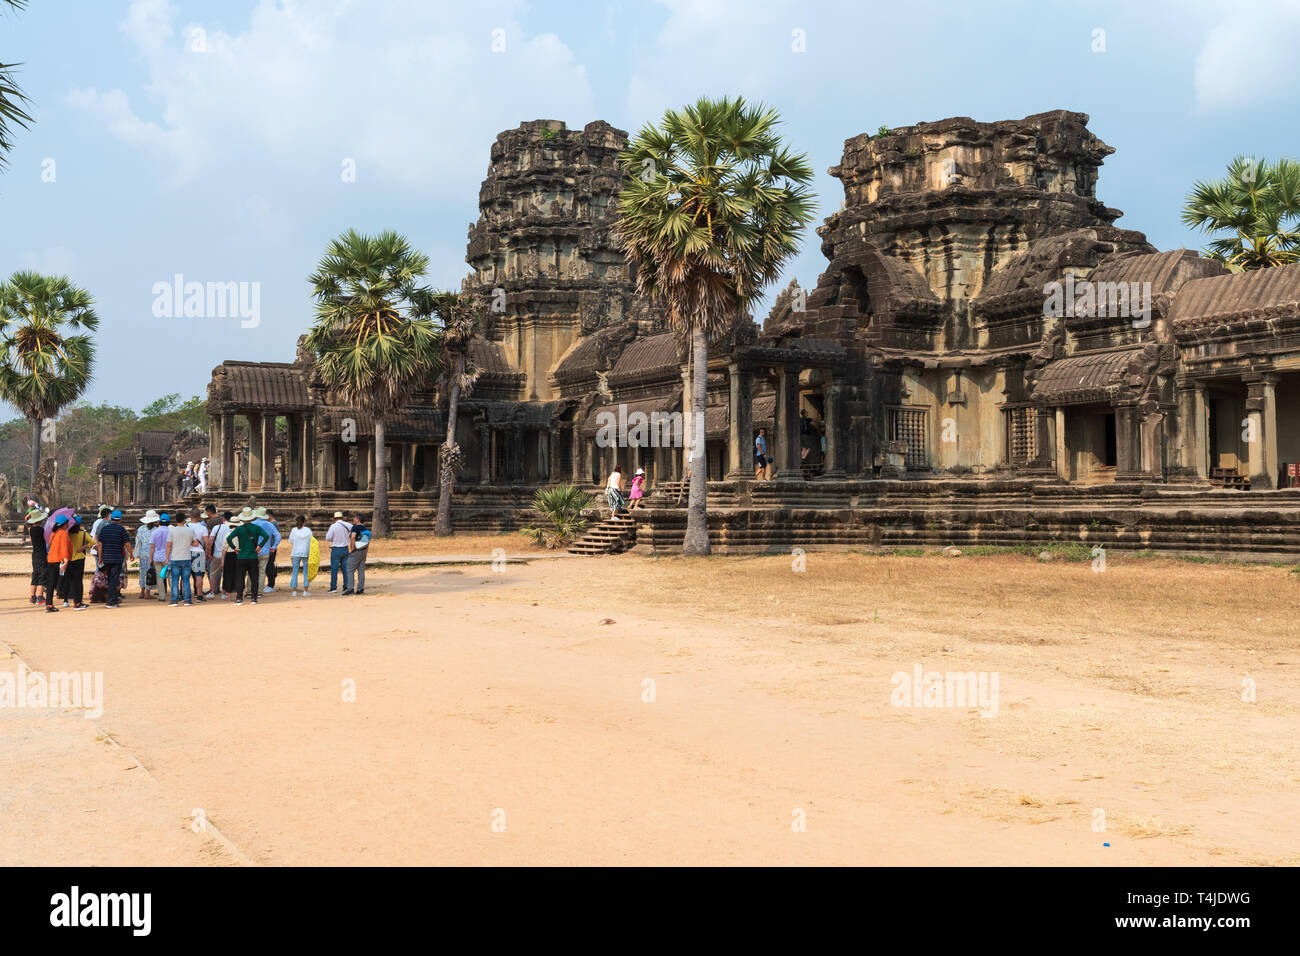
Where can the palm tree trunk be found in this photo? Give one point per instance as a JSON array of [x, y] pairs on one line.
[[36, 453], [446, 467], [697, 521], [380, 522]]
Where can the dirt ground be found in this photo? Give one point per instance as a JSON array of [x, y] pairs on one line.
[[631, 710]]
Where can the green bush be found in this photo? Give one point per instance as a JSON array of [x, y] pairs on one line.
[[560, 509]]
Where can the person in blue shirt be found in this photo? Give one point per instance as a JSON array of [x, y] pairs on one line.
[[760, 456], [263, 521]]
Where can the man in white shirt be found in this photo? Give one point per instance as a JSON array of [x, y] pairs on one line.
[[198, 550], [337, 538], [299, 553], [180, 538]]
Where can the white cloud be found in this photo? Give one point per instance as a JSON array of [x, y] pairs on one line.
[[409, 90], [1248, 57]]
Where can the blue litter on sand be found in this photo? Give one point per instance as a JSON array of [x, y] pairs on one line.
[[1105, 844]]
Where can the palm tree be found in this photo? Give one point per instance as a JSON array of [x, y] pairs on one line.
[[1258, 204], [46, 355], [712, 205], [560, 511], [373, 338], [458, 314], [11, 98]]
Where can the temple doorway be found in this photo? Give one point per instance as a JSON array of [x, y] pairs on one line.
[[1090, 444], [1225, 426]]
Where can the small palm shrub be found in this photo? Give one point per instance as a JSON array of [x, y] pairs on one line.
[[561, 522]]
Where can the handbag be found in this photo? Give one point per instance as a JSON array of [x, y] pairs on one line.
[[151, 577]]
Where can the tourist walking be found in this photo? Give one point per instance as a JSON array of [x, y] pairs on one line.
[[637, 491], [358, 550], [761, 472], [114, 551], [187, 480], [57, 557], [246, 538], [203, 477], [144, 548], [36, 535], [158, 555], [337, 538], [74, 578], [299, 552], [614, 490]]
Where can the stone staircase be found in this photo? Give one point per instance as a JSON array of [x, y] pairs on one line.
[[613, 536]]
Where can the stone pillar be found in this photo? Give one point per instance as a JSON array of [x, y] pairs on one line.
[[226, 475], [101, 487], [688, 426], [1261, 412], [255, 451], [1152, 434], [1128, 443], [833, 465], [787, 425], [408, 467], [575, 449], [1060, 446], [740, 432], [484, 455], [310, 478], [517, 458], [553, 447], [268, 452]]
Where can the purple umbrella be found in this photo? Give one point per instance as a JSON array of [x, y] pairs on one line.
[[49, 522]]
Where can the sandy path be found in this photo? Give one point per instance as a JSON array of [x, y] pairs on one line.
[[478, 692]]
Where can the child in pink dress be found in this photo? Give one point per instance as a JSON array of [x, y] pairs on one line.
[[638, 487]]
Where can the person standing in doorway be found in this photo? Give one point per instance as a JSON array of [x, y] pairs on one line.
[[337, 538], [760, 456], [299, 552], [114, 552]]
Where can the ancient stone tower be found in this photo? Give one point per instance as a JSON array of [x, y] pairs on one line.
[[543, 251], [958, 199]]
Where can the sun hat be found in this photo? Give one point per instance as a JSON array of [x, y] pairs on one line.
[[115, 515], [60, 520], [640, 471], [36, 515], [150, 516], [338, 514], [235, 521], [246, 515], [260, 513]]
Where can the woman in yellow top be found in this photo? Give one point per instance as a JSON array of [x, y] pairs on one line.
[[74, 578]]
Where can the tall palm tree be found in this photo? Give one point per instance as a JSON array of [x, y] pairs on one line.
[[1258, 205], [46, 353], [712, 205], [373, 338], [11, 98], [459, 315]]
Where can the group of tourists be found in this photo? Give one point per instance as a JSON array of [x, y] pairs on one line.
[[194, 478], [185, 557]]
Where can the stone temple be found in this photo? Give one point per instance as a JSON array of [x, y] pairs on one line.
[[986, 358]]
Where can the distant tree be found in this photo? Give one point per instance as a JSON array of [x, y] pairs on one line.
[[12, 114], [712, 205], [458, 314], [46, 353], [1257, 205], [373, 338], [161, 406]]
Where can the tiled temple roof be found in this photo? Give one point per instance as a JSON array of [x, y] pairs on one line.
[[278, 386], [123, 462], [410, 424], [1259, 294], [581, 361], [666, 402], [1084, 379], [490, 358], [652, 357], [154, 444]]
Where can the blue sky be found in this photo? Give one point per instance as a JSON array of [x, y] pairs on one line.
[[208, 139]]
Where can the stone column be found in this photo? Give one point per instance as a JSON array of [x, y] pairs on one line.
[[740, 431], [226, 477], [1261, 412], [408, 467], [255, 451], [575, 449], [833, 465], [688, 426], [1061, 448], [310, 478], [101, 487], [787, 425], [484, 455], [268, 452], [553, 447], [517, 458], [1128, 443]]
